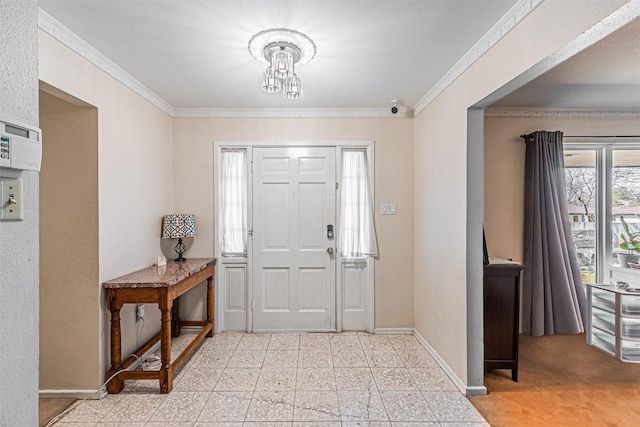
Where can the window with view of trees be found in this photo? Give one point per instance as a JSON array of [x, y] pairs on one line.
[[602, 181]]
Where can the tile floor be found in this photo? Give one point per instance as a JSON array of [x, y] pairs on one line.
[[315, 379]]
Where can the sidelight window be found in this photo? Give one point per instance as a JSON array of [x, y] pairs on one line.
[[357, 230], [233, 202]]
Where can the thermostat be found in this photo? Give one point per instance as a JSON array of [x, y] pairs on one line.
[[20, 146]]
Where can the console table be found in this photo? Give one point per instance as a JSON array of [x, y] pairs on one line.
[[157, 285]]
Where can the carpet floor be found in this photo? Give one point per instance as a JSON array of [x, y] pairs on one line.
[[49, 408], [562, 381]]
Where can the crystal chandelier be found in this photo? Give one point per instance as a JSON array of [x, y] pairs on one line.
[[282, 49]]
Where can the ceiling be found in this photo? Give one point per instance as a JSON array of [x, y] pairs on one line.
[[193, 53], [605, 76]]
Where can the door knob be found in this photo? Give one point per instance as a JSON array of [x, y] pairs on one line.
[[330, 251]]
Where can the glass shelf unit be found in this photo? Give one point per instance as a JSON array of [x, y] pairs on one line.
[[613, 321]]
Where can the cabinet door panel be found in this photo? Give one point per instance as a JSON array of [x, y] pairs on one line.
[[499, 317]]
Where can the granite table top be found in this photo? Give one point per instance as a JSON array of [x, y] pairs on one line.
[[160, 276]]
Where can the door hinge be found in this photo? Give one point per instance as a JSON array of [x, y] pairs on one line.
[[250, 232], [337, 185]]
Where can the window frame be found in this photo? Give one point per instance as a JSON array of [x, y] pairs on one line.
[[604, 196]]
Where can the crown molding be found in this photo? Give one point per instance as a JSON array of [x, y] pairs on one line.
[[512, 18], [290, 113], [560, 113], [69, 39], [62, 34], [592, 35]]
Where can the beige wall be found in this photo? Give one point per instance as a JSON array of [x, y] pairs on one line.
[[442, 212], [504, 169], [136, 161], [135, 188], [193, 181], [150, 164], [68, 243]]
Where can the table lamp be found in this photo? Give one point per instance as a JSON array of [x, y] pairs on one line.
[[177, 226]]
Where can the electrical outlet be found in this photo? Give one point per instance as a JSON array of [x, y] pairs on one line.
[[139, 312], [388, 208]]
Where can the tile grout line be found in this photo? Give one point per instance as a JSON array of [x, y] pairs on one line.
[[338, 345]]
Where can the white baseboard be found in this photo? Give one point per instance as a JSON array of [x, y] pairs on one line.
[[190, 329], [393, 331], [467, 391], [476, 391], [92, 394]]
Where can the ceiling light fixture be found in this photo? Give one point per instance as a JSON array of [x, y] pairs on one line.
[[282, 49]]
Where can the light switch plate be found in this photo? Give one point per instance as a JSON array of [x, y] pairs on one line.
[[12, 202], [388, 208]]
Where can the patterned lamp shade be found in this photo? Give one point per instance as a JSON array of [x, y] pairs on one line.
[[179, 225]]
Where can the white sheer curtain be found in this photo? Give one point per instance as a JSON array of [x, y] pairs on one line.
[[233, 202], [357, 230]]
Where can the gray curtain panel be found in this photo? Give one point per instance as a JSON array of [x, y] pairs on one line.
[[553, 300]]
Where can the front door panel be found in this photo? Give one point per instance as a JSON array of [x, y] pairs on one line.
[[293, 273]]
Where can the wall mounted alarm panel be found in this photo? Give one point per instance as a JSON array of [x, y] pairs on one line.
[[20, 146]]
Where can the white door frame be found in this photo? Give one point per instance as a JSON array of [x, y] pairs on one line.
[[242, 317]]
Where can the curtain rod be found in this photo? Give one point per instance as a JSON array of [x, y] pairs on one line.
[[602, 136], [526, 136]]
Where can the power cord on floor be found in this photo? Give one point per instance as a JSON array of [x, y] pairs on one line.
[[153, 363], [140, 331], [78, 402]]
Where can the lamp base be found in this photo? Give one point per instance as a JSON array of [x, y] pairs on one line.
[[180, 248]]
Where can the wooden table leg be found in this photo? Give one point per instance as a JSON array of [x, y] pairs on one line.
[[117, 383], [210, 304], [175, 318], [166, 371]]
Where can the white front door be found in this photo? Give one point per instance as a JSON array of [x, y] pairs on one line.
[[293, 272]]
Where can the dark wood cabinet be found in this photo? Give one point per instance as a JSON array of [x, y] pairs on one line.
[[501, 315]]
